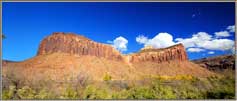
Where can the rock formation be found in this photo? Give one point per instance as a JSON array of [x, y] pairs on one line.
[[65, 56], [176, 52], [77, 45], [218, 63]]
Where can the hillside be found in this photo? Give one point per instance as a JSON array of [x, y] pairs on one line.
[[220, 64], [61, 66], [64, 55]]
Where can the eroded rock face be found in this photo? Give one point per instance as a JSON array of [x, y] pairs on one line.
[[176, 52], [217, 63], [77, 45]]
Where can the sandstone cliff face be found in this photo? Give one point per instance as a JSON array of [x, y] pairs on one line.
[[79, 45], [76, 45], [176, 52]]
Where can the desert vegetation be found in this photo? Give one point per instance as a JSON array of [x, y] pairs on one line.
[[153, 87]]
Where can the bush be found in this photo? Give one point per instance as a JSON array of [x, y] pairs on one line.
[[69, 93], [163, 92], [220, 94], [191, 93], [26, 93], [186, 87], [123, 94], [82, 79], [223, 88], [141, 93], [44, 94], [9, 94], [91, 92], [107, 77], [189, 90]]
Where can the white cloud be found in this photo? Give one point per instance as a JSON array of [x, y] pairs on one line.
[[222, 34], [195, 40], [120, 43], [211, 52], [231, 28], [205, 41], [195, 50], [141, 39], [186, 42], [202, 36], [161, 40], [197, 43], [218, 44]]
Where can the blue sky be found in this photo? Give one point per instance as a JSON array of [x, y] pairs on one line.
[[206, 29]]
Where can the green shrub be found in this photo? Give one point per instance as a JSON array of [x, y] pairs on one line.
[[92, 92], [44, 94], [9, 94], [191, 93], [123, 94], [107, 77], [69, 93], [141, 93], [223, 88], [26, 93], [163, 92]]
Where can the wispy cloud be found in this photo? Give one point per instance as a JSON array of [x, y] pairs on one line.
[[231, 28], [195, 50], [141, 39], [211, 52], [222, 34]]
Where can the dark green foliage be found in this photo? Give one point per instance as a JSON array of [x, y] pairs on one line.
[[222, 88]]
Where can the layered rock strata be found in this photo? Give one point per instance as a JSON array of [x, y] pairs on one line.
[[77, 45], [176, 52]]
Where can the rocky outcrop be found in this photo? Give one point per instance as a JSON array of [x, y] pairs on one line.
[[77, 45], [5, 62], [218, 63], [176, 52]]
